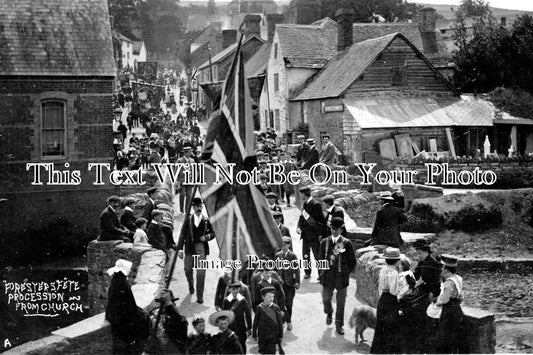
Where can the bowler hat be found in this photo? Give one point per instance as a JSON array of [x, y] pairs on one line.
[[391, 253], [449, 260], [267, 289], [196, 201], [337, 222], [221, 314]]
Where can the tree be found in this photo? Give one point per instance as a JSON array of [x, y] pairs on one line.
[[211, 7], [391, 10], [476, 8], [124, 12]]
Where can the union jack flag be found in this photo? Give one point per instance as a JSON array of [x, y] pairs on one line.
[[239, 214]]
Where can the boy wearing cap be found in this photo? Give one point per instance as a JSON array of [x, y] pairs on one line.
[[268, 323], [225, 342], [290, 277], [235, 302], [223, 290], [268, 281], [200, 342], [450, 339], [127, 218], [154, 232], [341, 257], [195, 234], [110, 228]]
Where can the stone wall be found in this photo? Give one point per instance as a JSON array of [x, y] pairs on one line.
[[481, 335], [93, 335]]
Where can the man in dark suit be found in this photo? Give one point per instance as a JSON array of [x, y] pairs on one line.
[[338, 251], [387, 226], [312, 155], [150, 205], [290, 276], [155, 234], [267, 281], [312, 226], [333, 211], [110, 228], [195, 234], [127, 218], [301, 151]]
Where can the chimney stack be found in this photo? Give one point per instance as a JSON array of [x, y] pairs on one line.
[[272, 20], [426, 26], [503, 22], [252, 25], [344, 18], [228, 38]]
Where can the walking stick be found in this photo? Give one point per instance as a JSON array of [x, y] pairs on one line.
[[173, 264]]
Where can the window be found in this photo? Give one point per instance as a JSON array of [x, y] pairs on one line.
[[275, 50], [276, 119], [398, 75], [53, 128], [276, 82]]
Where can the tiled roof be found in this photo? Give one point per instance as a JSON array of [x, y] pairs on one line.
[[55, 37], [228, 51], [421, 112], [257, 63], [343, 70], [123, 38], [308, 46]]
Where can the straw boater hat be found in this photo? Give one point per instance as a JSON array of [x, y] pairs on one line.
[[310, 141], [391, 253], [271, 195], [121, 265], [449, 260], [386, 196], [215, 316], [286, 239], [300, 136]]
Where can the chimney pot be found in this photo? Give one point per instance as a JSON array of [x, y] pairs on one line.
[[344, 18], [427, 19], [228, 38]]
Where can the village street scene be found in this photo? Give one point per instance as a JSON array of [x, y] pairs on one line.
[[266, 176]]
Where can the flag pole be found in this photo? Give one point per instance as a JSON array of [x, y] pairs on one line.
[[168, 279]]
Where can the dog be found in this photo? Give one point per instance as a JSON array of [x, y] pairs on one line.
[[362, 317]]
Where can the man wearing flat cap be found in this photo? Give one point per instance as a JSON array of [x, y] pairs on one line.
[[328, 153], [312, 157], [150, 204], [290, 277], [387, 225], [195, 234], [110, 228], [311, 226], [184, 190], [339, 253]]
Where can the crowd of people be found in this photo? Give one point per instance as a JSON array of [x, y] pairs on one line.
[[259, 303]]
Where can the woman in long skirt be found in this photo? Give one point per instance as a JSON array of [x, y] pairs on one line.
[[450, 334], [387, 337]]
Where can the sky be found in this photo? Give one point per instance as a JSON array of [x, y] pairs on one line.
[[526, 5]]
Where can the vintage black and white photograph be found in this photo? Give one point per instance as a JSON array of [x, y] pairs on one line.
[[266, 177]]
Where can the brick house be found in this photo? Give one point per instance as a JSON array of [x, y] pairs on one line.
[[383, 97], [56, 82]]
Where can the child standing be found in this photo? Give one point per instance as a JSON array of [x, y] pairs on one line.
[[268, 323]]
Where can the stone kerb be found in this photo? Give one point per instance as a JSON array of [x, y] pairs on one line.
[[481, 329]]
